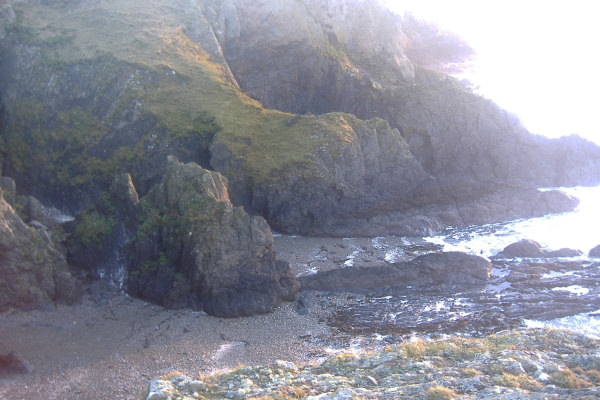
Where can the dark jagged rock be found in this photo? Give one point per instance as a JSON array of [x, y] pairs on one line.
[[32, 265], [426, 270], [100, 235], [194, 249]]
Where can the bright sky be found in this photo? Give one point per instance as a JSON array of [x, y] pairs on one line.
[[538, 59]]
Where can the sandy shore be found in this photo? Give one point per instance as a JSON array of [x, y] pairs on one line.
[[110, 350], [110, 345]]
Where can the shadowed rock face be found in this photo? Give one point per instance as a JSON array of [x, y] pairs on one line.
[[194, 249], [32, 265], [320, 57], [471, 161]]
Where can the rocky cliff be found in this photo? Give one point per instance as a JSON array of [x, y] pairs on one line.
[[194, 249], [364, 132], [32, 264], [325, 118]]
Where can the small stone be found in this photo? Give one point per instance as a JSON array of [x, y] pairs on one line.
[[195, 386], [160, 390], [286, 365]]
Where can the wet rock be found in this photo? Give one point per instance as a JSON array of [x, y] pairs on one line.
[[595, 252], [564, 252], [531, 249], [523, 248], [428, 269]]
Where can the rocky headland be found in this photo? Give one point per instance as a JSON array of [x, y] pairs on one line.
[[153, 148]]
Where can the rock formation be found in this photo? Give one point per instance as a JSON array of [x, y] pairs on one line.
[[194, 249], [595, 252], [32, 265]]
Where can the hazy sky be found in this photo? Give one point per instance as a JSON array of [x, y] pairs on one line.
[[537, 59]]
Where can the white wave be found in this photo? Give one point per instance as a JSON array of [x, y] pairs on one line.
[[585, 323], [556, 274], [575, 229], [575, 289]]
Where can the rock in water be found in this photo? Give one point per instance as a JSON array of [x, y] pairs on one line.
[[33, 268], [523, 248], [595, 252], [531, 249], [194, 249]]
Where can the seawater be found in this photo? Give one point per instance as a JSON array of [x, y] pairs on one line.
[[577, 229]]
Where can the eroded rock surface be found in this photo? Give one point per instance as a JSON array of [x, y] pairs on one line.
[[194, 249], [33, 269]]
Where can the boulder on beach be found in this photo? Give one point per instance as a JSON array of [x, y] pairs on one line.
[[426, 270], [13, 363], [195, 249]]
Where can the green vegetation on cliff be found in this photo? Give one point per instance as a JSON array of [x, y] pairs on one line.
[[170, 78]]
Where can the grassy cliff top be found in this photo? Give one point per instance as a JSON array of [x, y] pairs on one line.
[[192, 84]]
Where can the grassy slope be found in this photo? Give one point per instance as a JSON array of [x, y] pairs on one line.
[[151, 34]]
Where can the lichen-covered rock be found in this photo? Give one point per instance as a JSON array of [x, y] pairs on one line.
[[521, 364], [194, 249], [33, 269]]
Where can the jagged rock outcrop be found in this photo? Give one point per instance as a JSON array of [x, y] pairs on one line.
[[32, 265], [194, 249], [426, 270]]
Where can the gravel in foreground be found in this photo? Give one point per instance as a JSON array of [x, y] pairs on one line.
[[519, 364]]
